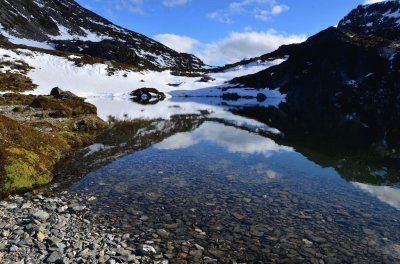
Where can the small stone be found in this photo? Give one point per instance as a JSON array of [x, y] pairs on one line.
[[78, 208], [5, 233], [368, 231], [238, 216], [318, 239], [146, 250], [14, 248], [41, 215], [40, 236], [62, 209], [54, 257], [163, 233], [198, 247], [198, 230], [91, 198], [183, 255]]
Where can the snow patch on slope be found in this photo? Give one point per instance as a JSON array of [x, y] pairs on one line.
[[93, 80], [23, 41], [110, 94]]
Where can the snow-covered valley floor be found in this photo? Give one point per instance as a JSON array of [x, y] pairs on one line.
[[110, 93]]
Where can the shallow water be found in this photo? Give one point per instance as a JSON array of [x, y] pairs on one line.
[[244, 198]]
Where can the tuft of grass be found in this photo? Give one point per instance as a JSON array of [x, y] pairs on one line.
[[16, 99], [69, 107], [15, 82]]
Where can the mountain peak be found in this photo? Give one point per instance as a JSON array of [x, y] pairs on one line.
[[379, 19], [65, 25]]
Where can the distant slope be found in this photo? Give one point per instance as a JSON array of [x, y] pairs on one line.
[[343, 74], [382, 19], [336, 62], [67, 26]]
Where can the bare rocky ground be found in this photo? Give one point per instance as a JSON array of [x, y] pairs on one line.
[[61, 229]]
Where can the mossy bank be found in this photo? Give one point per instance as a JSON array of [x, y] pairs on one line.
[[37, 132]]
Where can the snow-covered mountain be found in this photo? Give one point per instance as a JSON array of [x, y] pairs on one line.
[[65, 25], [379, 19]]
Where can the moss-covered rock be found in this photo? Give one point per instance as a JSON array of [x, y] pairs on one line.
[[64, 107], [30, 148]]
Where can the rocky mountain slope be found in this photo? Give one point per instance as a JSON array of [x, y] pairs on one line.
[[343, 82], [65, 25], [381, 19], [340, 73]]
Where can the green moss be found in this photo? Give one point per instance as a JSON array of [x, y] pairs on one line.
[[30, 150], [24, 169]]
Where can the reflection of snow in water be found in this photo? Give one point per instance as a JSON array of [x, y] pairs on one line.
[[386, 194], [96, 148], [123, 108], [232, 139]]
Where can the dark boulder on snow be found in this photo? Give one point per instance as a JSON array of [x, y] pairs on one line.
[[58, 93], [147, 95], [206, 79]]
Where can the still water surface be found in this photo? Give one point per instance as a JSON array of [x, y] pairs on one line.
[[223, 193]]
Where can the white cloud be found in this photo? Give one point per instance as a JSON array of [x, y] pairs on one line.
[[235, 47], [240, 45], [173, 3], [177, 141], [386, 194], [177, 42], [260, 9], [220, 17], [276, 10], [232, 139], [367, 2]]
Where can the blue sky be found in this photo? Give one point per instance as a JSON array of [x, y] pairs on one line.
[[222, 31]]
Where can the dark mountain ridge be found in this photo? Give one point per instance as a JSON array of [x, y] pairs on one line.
[[382, 19], [336, 70], [344, 80], [67, 26]]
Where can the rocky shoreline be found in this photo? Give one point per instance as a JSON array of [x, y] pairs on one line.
[[62, 229]]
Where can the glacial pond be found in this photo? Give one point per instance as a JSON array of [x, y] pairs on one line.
[[221, 187]]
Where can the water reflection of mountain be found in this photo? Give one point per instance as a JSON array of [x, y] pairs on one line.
[[361, 152], [123, 138]]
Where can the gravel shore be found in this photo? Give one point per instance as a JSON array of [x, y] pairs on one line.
[[38, 229]]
